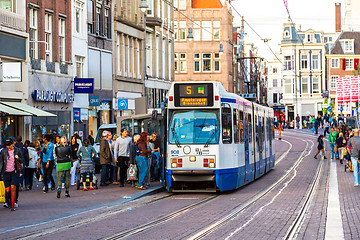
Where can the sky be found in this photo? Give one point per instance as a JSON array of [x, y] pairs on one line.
[[267, 18]]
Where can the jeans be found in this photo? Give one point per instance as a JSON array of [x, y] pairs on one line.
[[29, 177], [333, 154], [326, 131], [141, 162], [105, 173], [156, 166], [21, 178], [73, 171], [341, 153], [67, 179], [122, 162], [355, 164], [48, 175]]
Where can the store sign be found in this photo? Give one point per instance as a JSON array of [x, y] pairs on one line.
[[84, 114], [104, 106], [83, 85], [76, 114], [52, 96], [123, 104], [94, 100], [11, 71]]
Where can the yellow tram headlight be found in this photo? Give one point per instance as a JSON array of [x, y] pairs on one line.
[[192, 158], [211, 163], [174, 165]]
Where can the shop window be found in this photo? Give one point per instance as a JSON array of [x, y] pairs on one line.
[[226, 125]]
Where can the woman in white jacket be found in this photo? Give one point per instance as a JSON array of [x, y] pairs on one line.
[[30, 170]]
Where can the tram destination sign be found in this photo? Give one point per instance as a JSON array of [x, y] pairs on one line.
[[194, 95]]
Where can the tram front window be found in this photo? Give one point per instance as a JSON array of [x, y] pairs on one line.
[[194, 127]]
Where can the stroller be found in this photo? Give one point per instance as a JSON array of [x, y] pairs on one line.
[[87, 178]]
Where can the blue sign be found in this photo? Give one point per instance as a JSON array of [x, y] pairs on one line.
[[123, 104], [341, 109], [329, 108], [94, 100], [83, 85], [76, 114]]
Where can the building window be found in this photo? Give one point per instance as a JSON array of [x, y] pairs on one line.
[[206, 31], [182, 30], [304, 61], [107, 23], [275, 98], [216, 30], [150, 10], [79, 66], [275, 82], [286, 34], [206, 62], [197, 62], [196, 31], [349, 64], [79, 8], [98, 20], [176, 30], [183, 67], [9, 5], [48, 37], [334, 63], [176, 67], [304, 85], [315, 61], [333, 82], [62, 40], [90, 16], [274, 70], [288, 63], [182, 4], [216, 62], [315, 85], [288, 86], [33, 33], [348, 46]]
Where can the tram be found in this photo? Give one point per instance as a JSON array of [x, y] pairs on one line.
[[216, 141]]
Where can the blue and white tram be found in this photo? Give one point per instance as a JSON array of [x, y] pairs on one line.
[[216, 140]]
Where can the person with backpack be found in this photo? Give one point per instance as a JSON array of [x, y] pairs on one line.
[[341, 143], [134, 151], [354, 145], [320, 146], [332, 141]]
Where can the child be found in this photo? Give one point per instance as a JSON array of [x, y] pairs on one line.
[[320, 146]]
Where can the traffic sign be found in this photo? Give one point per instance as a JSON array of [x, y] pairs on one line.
[[329, 108], [123, 104], [341, 109]]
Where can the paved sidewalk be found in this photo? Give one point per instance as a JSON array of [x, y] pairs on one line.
[[37, 207]]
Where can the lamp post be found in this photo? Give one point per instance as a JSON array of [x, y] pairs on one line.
[[143, 7]]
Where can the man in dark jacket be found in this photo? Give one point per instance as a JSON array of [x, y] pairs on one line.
[[105, 158], [25, 155]]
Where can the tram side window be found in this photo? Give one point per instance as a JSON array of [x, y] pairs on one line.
[[256, 130], [250, 133], [262, 133], [241, 126], [236, 125], [226, 125]]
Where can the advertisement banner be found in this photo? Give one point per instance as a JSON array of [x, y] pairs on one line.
[[84, 85], [348, 89], [76, 114]]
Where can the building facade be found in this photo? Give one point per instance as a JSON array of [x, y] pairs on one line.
[[50, 76], [99, 59], [303, 55], [274, 86], [198, 58], [352, 16]]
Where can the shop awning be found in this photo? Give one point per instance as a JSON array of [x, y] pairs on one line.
[[13, 111], [28, 109]]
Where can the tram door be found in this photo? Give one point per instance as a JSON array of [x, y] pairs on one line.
[[249, 159]]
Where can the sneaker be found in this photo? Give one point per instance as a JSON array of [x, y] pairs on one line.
[[43, 188], [6, 205], [315, 157], [58, 193], [63, 185], [67, 194], [325, 157], [16, 205], [13, 209], [53, 189], [92, 188], [85, 189]]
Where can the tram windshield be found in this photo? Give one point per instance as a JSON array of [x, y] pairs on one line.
[[194, 127]]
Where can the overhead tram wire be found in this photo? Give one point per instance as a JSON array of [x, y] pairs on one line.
[[288, 12], [267, 44]]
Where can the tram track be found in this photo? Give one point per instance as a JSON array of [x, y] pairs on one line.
[[240, 209]]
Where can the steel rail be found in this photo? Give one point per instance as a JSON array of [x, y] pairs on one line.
[[252, 201]]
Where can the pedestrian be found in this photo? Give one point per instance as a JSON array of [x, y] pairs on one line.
[[90, 138], [297, 121], [30, 170], [141, 159], [326, 130], [87, 154], [354, 145], [10, 172], [134, 151], [332, 141], [25, 156], [105, 158], [280, 129], [114, 169], [63, 153], [317, 124], [48, 162], [320, 146], [122, 153], [341, 143], [74, 147], [155, 165]]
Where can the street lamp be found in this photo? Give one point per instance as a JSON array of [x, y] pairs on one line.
[[190, 36], [143, 6], [221, 50]]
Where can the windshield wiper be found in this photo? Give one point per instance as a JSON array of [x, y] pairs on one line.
[[210, 138], [177, 142]]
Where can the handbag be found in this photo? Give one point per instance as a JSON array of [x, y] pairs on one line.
[[18, 166], [132, 173], [2, 192]]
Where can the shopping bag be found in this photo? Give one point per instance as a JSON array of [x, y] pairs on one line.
[[132, 173], [2, 192]]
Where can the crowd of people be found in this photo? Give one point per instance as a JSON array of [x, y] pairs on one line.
[[21, 162]]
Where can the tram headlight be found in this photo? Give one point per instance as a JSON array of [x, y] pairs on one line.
[[211, 163], [174, 165], [192, 158]]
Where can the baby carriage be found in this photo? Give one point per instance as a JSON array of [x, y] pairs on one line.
[[87, 178]]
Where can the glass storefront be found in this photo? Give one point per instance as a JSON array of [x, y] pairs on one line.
[[52, 125], [8, 127]]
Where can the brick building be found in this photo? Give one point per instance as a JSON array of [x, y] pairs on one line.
[[199, 59], [48, 23]]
